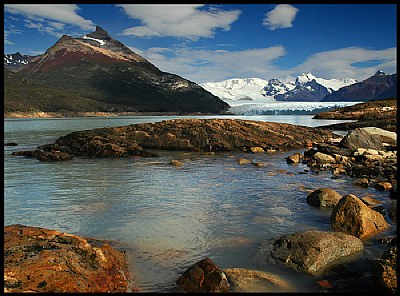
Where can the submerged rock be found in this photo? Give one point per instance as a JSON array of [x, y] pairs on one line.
[[312, 252], [250, 281], [42, 260]]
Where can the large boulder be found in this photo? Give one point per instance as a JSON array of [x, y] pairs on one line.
[[385, 271], [42, 260], [204, 277], [386, 136], [312, 252], [362, 138], [323, 197], [351, 215]]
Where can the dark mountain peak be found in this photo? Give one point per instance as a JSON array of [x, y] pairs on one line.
[[100, 33], [379, 73]]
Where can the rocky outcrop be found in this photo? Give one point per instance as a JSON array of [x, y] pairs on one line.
[[312, 252], [182, 134], [42, 260], [379, 113], [323, 197], [204, 277], [351, 215], [385, 271]]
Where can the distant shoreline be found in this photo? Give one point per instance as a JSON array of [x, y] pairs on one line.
[[40, 114]]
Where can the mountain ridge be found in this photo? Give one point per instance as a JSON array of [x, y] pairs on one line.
[[306, 87]]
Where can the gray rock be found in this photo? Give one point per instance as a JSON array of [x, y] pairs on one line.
[[312, 252], [361, 138]]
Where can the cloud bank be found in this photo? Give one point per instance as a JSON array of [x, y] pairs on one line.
[[201, 65], [177, 20]]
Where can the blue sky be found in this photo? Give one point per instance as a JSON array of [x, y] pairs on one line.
[[221, 41]]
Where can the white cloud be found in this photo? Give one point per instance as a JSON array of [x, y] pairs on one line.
[[61, 13], [42, 27], [282, 16], [201, 65], [342, 63], [177, 20]]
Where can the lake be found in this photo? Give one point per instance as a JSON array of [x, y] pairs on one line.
[[168, 217]]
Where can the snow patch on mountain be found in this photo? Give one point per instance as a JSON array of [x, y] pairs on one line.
[[329, 84], [102, 42], [245, 89]]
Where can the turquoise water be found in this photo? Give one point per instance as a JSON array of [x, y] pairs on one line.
[[169, 217]]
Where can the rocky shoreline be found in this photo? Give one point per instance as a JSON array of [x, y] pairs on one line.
[[367, 155]]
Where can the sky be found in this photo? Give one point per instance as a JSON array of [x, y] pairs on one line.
[[214, 42]]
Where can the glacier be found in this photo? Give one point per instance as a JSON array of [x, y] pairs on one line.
[[284, 108]]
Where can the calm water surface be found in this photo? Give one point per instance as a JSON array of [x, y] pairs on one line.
[[170, 217]]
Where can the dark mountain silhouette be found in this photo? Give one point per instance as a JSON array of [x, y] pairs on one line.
[[378, 86]]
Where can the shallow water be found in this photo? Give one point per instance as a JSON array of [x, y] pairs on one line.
[[169, 217]]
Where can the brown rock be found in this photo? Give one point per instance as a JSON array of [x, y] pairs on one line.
[[256, 149], [362, 182], [323, 197], [323, 158], [175, 162], [385, 272], [243, 161], [294, 158], [42, 260], [204, 277], [354, 217], [383, 186]]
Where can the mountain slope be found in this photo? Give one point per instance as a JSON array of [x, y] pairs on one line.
[[100, 68], [378, 86]]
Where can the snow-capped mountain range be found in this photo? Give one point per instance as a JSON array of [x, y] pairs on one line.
[[306, 87]]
